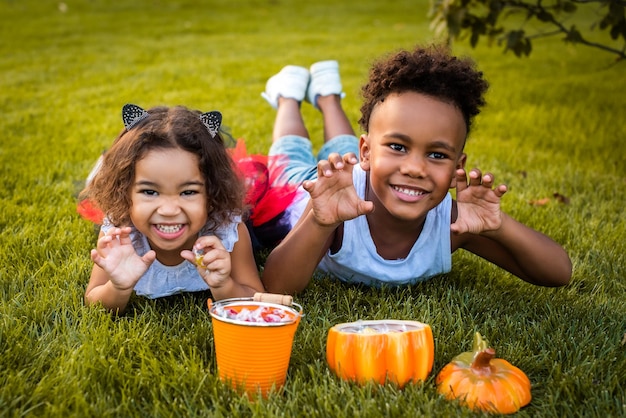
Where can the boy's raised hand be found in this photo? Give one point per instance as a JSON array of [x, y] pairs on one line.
[[116, 255], [333, 196], [478, 203]]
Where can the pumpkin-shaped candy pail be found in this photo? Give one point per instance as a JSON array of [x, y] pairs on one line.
[[381, 350]]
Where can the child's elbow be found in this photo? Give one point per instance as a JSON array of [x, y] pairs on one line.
[[567, 277], [272, 285], [562, 275], [280, 288]]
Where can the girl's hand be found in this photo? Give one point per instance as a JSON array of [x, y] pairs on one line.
[[116, 255], [478, 203], [212, 260], [333, 196]]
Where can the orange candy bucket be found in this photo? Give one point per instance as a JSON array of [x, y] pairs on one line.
[[254, 356]]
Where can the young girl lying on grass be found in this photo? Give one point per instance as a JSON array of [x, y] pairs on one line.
[[173, 206], [388, 217]]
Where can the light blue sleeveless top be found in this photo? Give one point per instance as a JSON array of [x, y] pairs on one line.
[[161, 280], [358, 261]]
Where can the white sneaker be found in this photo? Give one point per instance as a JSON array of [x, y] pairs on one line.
[[290, 82], [325, 80]]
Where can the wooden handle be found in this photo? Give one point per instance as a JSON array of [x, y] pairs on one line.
[[286, 300]]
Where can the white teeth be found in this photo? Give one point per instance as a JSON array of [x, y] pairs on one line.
[[410, 192], [169, 229]]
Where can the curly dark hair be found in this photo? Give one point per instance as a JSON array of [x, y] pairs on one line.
[[432, 71], [167, 128]]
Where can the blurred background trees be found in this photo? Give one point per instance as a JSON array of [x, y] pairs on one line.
[[515, 24]]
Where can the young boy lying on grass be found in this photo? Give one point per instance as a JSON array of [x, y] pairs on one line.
[[388, 217]]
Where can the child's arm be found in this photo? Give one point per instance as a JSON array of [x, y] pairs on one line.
[[482, 228], [227, 274], [289, 267], [117, 268]]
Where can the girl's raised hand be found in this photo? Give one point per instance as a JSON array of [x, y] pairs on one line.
[[478, 203], [333, 196], [213, 262], [115, 255]]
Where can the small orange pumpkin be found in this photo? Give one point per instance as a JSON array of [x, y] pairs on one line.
[[393, 350], [481, 381]]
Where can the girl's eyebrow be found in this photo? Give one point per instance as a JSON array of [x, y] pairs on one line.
[[193, 183], [145, 183], [148, 183]]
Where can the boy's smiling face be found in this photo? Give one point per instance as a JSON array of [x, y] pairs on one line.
[[412, 150]]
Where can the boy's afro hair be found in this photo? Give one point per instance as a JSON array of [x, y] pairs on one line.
[[432, 71]]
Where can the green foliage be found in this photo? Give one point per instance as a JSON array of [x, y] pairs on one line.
[[551, 126], [457, 19]]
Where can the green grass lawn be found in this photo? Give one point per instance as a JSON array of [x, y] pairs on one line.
[[554, 124]]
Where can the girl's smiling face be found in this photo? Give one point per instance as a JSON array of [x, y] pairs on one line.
[[169, 202], [412, 150]]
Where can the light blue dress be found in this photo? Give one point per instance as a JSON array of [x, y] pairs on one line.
[[160, 280]]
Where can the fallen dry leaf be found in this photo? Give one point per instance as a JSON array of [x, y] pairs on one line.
[[624, 339], [540, 202], [545, 200]]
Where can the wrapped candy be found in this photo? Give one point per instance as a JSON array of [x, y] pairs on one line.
[[262, 314]]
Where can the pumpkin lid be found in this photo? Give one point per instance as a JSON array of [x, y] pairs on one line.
[[380, 326]]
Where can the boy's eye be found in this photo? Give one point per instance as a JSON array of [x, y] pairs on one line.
[[437, 155], [397, 147]]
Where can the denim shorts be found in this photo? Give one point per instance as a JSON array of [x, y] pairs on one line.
[[294, 154]]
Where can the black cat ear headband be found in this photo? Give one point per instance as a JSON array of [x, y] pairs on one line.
[[133, 114]]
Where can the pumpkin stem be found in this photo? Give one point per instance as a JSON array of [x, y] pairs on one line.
[[479, 343], [467, 358], [482, 361]]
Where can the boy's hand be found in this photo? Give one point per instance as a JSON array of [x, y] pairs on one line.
[[478, 203], [116, 255], [212, 260], [333, 196]]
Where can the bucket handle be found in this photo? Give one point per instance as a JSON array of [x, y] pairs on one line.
[[286, 300]]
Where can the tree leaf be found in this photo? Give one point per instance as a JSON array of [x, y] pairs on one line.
[[569, 7], [527, 47], [544, 16], [474, 38], [573, 35]]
